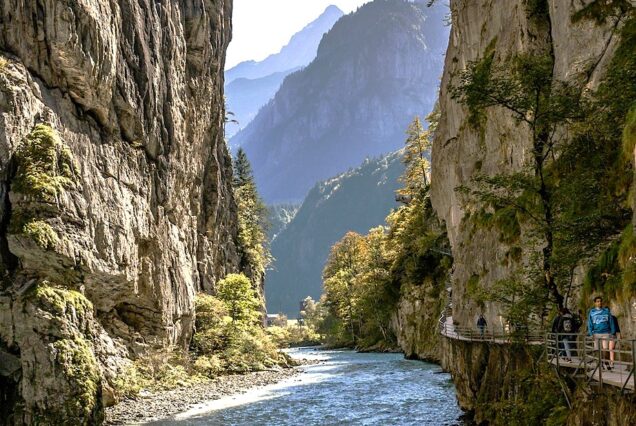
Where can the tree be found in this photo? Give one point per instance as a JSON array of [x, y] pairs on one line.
[[564, 200], [526, 89], [252, 237], [242, 170], [236, 291], [417, 165], [343, 266]]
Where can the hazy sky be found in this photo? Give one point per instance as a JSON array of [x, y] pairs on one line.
[[262, 27]]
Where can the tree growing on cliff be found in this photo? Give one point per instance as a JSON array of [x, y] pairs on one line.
[[562, 200], [417, 165]]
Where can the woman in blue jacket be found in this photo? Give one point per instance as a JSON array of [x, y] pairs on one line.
[[601, 326]]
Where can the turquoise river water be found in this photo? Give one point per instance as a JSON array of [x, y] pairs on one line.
[[346, 388]]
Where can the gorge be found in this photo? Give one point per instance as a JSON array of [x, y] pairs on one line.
[[123, 227]]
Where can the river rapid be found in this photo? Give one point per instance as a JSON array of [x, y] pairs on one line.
[[345, 388]]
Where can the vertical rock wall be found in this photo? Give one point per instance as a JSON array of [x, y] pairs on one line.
[[115, 191], [581, 51]]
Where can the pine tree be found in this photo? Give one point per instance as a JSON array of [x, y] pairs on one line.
[[252, 212], [242, 170], [416, 149]]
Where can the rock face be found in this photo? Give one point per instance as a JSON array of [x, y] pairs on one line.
[[581, 49], [415, 322], [116, 204], [374, 72]]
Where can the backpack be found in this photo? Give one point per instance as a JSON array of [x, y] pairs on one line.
[[567, 324]]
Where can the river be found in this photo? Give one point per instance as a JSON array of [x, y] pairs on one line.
[[346, 388]]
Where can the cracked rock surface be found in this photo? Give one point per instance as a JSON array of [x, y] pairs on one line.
[[123, 208]]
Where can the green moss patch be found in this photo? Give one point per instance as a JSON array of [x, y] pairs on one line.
[[42, 233], [59, 299], [76, 359], [45, 166], [629, 134]]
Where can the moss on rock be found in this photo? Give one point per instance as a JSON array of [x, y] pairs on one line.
[[45, 166], [42, 233], [60, 299], [76, 360]]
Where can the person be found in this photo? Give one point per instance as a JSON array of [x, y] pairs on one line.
[[600, 326], [565, 326], [616, 336], [481, 324]]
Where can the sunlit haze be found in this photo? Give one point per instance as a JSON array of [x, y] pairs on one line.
[[262, 27]]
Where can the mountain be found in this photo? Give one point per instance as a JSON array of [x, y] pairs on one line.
[[280, 215], [354, 201], [300, 50], [375, 70], [244, 97], [251, 84]]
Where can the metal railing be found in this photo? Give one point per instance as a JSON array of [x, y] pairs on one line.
[[608, 361], [486, 334]]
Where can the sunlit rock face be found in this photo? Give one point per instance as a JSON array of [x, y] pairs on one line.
[[582, 51], [115, 185]]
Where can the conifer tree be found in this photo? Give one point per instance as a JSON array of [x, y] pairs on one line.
[[242, 170], [252, 238], [417, 146]]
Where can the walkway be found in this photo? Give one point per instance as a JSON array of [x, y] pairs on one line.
[[469, 334], [587, 362], [593, 363]]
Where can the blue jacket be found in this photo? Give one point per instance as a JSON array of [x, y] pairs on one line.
[[599, 321]]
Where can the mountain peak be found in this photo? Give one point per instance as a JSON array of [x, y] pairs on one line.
[[332, 10]]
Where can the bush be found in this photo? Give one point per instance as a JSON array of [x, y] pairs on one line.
[[211, 324]]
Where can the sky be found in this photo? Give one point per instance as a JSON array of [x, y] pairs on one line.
[[262, 27]]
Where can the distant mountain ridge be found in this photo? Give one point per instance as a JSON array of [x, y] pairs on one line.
[[375, 70], [354, 201], [250, 84], [300, 50]]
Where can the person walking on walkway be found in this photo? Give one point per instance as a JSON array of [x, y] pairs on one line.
[[564, 325], [600, 326], [481, 324]]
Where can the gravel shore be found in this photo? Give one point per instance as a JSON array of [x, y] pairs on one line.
[[160, 405]]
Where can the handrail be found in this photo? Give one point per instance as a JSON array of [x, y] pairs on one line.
[[452, 331], [592, 357]]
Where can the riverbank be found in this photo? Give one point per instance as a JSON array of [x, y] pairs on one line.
[[160, 405]]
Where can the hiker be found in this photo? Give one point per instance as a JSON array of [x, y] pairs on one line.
[[481, 324], [613, 340], [565, 326], [601, 327]]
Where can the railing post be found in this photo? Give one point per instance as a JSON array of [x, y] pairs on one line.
[[600, 362], [558, 352], [633, 365]]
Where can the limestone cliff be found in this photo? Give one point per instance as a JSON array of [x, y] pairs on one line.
[[581, 52], [116, 205]]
